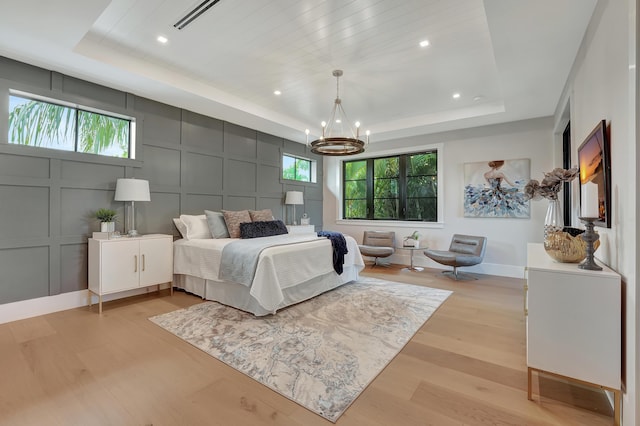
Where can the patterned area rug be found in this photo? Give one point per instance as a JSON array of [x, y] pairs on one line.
[[321, 353]]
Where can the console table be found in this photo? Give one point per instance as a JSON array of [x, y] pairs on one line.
[[573, 319]]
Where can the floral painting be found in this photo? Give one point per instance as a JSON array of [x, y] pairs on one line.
[[496, 188]]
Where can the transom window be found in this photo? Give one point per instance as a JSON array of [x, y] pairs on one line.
[[296, 168], [48, 124], [401, 187]]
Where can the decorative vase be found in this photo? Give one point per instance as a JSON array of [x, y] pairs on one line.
[[107, 226], [564, 245], [553, 220], [567, 246]]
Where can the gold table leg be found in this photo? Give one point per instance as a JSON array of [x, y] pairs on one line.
[[617, 400]]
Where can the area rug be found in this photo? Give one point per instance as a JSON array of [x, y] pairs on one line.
[[321, 353]]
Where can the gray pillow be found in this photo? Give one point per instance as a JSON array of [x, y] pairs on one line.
[[217, 225]]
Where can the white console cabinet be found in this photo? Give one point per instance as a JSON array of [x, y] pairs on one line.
[[128, 263], [573, 323]]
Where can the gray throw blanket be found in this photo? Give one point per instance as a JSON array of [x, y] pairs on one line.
[[240, 258]]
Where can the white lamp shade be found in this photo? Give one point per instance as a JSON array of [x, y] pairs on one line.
[[294, 197], [132, 190]]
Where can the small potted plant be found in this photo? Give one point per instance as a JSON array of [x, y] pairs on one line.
[[412, 240], [107, 219]]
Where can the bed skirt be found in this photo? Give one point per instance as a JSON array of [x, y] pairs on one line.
[[237, 295]]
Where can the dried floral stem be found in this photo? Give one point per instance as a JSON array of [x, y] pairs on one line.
[[550, 185]]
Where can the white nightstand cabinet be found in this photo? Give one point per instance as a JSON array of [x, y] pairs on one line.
[[574, 322], [301, 229], [129, 263]]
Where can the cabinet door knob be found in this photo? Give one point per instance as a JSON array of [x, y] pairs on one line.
[[143, 262], [135, 263]]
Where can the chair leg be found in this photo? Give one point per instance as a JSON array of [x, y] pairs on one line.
[[385, 265], [458, 275]]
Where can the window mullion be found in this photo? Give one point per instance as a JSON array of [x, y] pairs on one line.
[[402, 186], [77, 124], [369, 183]]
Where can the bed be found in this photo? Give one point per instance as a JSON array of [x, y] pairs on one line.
[[284, 275]]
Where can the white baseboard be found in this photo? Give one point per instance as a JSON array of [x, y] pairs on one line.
[[483, 268], [61, 302]]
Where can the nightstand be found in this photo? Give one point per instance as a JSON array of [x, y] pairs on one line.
[[129, 263], [301, 229]]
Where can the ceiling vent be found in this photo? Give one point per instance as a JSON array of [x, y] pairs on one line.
[[194, 13]]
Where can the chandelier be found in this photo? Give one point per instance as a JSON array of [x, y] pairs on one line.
[[338, 137]]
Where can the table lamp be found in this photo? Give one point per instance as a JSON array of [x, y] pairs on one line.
[[132, 190], [294, 198]]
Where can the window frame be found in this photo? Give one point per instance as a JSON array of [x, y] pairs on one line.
[[64, 101], [439, 223], [313, 164]]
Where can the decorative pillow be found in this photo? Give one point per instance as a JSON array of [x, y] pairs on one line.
[[261, 215], [197, 226], [182, 229], [233, 219], [262, 229], [217, 225]]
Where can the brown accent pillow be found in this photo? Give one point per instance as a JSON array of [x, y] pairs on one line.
[[261, 215], [233, 219]]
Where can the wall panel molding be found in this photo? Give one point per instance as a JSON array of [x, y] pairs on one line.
[[193, 162]]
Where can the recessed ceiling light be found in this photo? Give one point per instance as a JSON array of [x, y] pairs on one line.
[[162, 39], [456, 96], [277, 92], [424, 43]]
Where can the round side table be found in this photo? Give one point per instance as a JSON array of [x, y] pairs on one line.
[[411, 267]]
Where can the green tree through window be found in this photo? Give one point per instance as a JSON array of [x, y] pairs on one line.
[[403, 187], [49, 125], [295, 168]]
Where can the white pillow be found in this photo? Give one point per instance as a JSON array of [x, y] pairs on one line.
[[180, 226], [197, 226]]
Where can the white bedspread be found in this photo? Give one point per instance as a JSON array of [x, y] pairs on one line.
[[279, 267]]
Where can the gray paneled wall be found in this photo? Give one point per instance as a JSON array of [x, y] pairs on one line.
[[193, 163]]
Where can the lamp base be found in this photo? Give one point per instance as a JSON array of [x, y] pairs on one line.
[[133, 233]]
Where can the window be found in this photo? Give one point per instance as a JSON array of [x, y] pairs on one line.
[[401, 187], [299, 169], [47, 124]]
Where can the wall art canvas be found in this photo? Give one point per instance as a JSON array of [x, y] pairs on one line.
[[496, 188]]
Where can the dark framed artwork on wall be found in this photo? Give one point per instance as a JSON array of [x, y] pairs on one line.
[[595, 176]]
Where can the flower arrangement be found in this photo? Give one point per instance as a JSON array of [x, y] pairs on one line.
[[550, 185]]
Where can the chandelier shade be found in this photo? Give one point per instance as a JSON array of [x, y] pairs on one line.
[[338, 136]]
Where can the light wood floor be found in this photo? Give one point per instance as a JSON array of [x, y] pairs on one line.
[[466, 365]]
